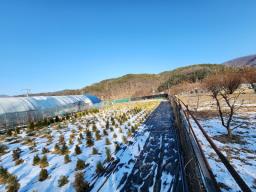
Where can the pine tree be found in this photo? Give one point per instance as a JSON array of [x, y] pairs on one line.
[[43, 175], [71, 142], [12, 184], [117, 147], [105, 132], [67, 159], [99, 168], [133, 129], [36, 160], [81, 136], [78, 150], [129, 133], [107, 124], [97, 136], [94, 128], [124, 140], [16, 154], [61, 139], [64, 149], [31, 126], [108, 154], [89, 142], [107, 141], [80, 165], [57, 148], [80, 184], [62, 181], [44, 162], [88, 134], [3, 148], [45, 150], [94, 151]]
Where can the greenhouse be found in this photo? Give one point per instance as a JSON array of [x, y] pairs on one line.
[[18, 111]]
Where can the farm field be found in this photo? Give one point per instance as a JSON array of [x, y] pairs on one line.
[[54, 158]]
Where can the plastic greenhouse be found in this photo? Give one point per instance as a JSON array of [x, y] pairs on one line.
[[18, 111]]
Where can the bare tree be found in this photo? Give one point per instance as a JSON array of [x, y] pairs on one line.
[[250, 77], [224, 88]]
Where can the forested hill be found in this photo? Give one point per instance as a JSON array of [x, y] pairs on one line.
[[143, 84]]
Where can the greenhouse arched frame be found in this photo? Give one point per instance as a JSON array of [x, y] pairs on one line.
[[19, 111]]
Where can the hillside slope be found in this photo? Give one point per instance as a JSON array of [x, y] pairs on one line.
[[133, 85], [246, 61]]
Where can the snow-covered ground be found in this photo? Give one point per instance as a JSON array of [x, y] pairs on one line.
[[240, 153], [28, 174]]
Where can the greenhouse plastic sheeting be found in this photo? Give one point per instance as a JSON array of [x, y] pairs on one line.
[[20, 110]]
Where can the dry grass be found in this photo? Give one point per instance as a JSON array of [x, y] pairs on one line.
[[205, 103]]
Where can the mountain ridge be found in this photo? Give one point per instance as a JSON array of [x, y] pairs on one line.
[[245, 61]]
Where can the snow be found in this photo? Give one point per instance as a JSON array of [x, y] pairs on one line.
[[242, 155], [27, 174]]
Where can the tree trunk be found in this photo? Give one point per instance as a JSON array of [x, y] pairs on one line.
[[229, 132]]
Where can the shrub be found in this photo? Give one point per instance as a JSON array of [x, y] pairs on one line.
[[62, 181], [44, 162], [80, 184], [77, 150], [43, 175], [108, 154], [36, 160], [66, 159], [107, 141], [80, 165], [94, 151], [99, 168]]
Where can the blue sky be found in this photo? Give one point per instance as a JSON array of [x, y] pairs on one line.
[[49, 45]]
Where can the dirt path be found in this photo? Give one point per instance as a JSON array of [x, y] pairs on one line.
[[158, 163]]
